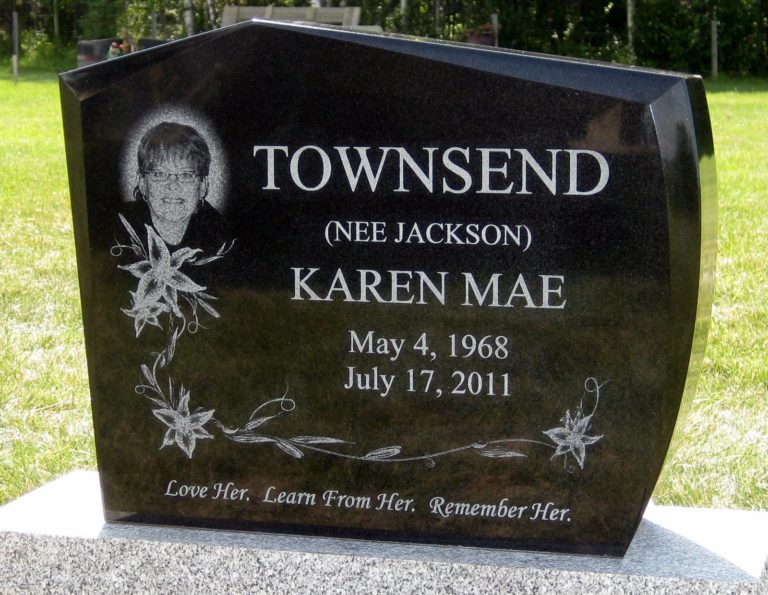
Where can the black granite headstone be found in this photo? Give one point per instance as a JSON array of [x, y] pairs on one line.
[[369, 286]]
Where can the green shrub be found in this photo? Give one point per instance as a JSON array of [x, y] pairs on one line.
[[39, 53], [676, 35]]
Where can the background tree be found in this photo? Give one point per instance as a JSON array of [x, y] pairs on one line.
[[668, 34]]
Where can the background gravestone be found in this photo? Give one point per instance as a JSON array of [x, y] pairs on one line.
[[427, 292]]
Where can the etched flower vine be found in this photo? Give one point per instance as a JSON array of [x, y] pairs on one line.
[[184, 428], [159, 276], [144, 313], [168, 298], [571, 438]]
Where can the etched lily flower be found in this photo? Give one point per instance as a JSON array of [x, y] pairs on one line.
[[571, 437], [144, 313], [159, 276], [184, 428]]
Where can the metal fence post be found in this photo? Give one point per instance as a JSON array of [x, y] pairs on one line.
[[713, 39], [15, 58]]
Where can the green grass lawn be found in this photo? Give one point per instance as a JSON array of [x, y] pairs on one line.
[[44, 408], [45, 427], [723, 460]]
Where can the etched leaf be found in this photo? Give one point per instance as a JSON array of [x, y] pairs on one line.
[[206, 260], [157, 401], [500, 453], [208, 308], [223, 249], [251, 438], [172, 344], [148, 374], [383, 453], [318, 440], [130, 230], [183, 255], [259, 421], [289, 449]]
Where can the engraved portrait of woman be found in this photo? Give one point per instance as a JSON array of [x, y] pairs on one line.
[[172, 183]]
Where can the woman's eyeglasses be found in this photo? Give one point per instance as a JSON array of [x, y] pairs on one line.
[[164, 177]]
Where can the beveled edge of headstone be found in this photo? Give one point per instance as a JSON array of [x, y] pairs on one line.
[[637, 83]]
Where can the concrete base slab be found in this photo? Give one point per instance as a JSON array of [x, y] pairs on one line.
[[55, 539]]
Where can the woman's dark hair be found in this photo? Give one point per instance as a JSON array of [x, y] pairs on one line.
[[169, 140]]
